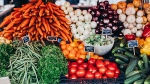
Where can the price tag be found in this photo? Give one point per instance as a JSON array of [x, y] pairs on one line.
[[106, 31], [51, 38], [89, 49], [4, 80], [26, 39], [132, 43]]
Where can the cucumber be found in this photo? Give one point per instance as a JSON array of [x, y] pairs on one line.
[[145, 60], [132, 64], [118, 61], [123, 42], [132, 73], [123, 66], [130, 55], [141, 64], [147, 80], [144, 71], [118, 48], [122, 57], [133, 78], [141, 81]]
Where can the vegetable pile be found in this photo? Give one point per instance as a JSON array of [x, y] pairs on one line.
[[51, 65], [81, 24], [37, 20], [93, 69], [75, 50]]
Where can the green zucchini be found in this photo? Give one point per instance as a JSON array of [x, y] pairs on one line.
[[122, 57], [147, 80], [145, 60], [123, 66], [118, 61], [118, 48], [141, 64], [133, 78], [141, 81], [130, 55], [123, 42], [132, 73], [132, 64]]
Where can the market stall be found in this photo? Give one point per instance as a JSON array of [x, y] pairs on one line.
[[59, 43]]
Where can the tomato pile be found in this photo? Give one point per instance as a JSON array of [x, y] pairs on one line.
[[94, 68]]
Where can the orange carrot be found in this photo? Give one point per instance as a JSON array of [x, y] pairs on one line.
[[63, 35], [33, 1], [35, 31], [44, 35], [7, 34], [54, 24], [52, 32], [46, 11], [18, 20], [40, 31], [63, 18], [33, 38], [5, 21], [31, 29], [10, 31], [25, 7], [42, 28], [10, 25], [45, 25], [50, 20], [65, 30], [10, 37], [57, 22], [56, 32], [16, 9], [39, 18], [60, 11], [40, 23], [47, 16], [48, 26], [25, 22], [69, 38], [32, 21], [36, 37], [17, 14], [43, 5], [26, 16], [53, 28], [19, 27], [62, 38], [41, 12], [37, 25], [50, 7], [38, 3]]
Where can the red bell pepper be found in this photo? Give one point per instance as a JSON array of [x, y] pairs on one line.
[[146, 31], [130, 37]]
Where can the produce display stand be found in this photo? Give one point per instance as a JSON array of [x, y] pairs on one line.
[[43, 43]]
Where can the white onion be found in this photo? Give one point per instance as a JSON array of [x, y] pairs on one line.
[[86, 32], [77, 36], [74, 18], [126, 24], [81, 18], [87, 26], [140, 13], [58, 3], [66, 12], [139, 19], [79, 23], [93, 24], [134, 30], [130, 26], [63, 8], [82, 37], [131, 19], [67, 16], [72, 26], [66, 4], [134, 24], [139, 33], [69, 9], [71, 13], [139, 26], [130, 11], [80, 30], [122, 17], [78, 12], [74, 30], [88, 17], [84, 12], [126, 31], [119, 11]]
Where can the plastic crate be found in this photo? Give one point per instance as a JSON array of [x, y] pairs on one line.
[[119, 80]]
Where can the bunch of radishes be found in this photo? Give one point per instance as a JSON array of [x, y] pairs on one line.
[[132, 21], [81, 23]]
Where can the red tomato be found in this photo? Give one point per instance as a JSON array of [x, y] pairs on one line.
[[85, 65], [90, 66], [106, 62], [81, 67], [80, 60], [102, 69], [109, 73], [99, 63], [80, 73], [73, 77], [104, 76], [98, 75], [116, 75], [117, 71], [113, 64], [74, 64], [92, 69], [72, 70], [111, 67], [89, 75], [69, 63], [91, 61]]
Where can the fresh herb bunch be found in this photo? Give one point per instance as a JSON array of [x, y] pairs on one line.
[[5, 52], [23, 64], [51, 65]]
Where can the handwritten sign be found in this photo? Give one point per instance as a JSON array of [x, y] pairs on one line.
[[26, 39], [51, 38], [89, 49], [106, 31], [4, 80], [132, 43]]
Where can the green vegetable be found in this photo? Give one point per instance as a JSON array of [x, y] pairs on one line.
[[141, 81], [118, 48], [51, 65], [118, 61], [122, 57], [147, 80], [132, 73], [130, 55], [123, 42], [145, 60], [5, 52], [141, 64], [132, 64], [24, 63]]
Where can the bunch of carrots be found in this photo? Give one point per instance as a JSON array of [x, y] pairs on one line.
[[37, 20]]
